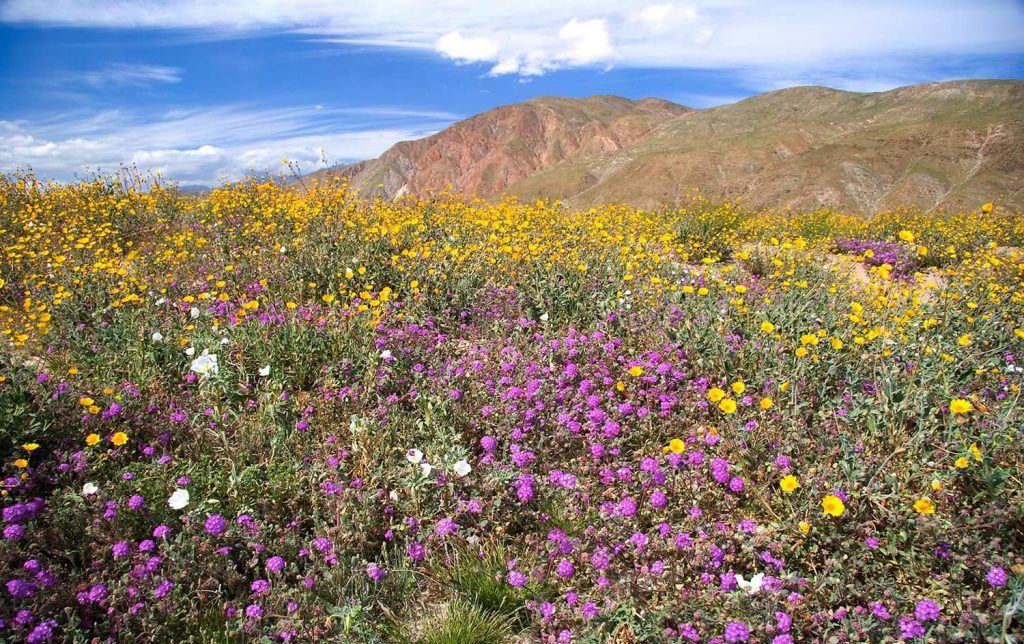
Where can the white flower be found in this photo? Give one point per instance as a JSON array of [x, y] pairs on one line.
[[265, 371], [753, 586], [194, 312], [393, 495], [157, 336], [191, 351], [414, 456], [162, 300], [386, 354], [89, 489], [461, 468], [205, 364], [224, 340], [544, 318], [426, 469], [179, 499]]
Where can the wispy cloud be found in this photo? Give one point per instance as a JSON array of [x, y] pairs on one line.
[[208, 145], [791, 38], [128, 74]]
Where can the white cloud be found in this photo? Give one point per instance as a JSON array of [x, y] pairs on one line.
[[206, 146], [528, 37], [469, 50], [586, 41], [126, 74]]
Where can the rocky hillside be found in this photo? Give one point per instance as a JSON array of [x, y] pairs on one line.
[[940, 145]]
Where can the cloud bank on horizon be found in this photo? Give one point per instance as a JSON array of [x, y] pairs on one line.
[[867, 45]]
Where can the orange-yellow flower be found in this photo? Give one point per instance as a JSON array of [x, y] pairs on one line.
[[789, 483], [92, 439], [924, 506], [728, 406], [676, 446], [960, 406], [833, 505], [119, 439]]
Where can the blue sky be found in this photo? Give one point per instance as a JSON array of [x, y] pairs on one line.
[[207, 91]]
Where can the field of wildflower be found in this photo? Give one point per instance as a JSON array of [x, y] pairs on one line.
[[269, 414]]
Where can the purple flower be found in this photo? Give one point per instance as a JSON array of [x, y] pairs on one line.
[[910, 628], [997, 577], [14, 532], [136, 502], [120, 549], [20, 589], [736, 632], [736, 484], [375, 572], [658, 499], [565, 568], [163, 589], [445, 527], [161, 531], [275, 564], [416, 551], [260, 587], [926, 610], [253, 611], [516, 579], [216, 525], [42, 633]]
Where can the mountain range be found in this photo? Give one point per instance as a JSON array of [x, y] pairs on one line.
[[946, 145]]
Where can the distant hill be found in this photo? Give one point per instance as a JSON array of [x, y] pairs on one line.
[[940, 145]]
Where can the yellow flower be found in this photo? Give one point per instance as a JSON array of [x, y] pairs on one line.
[[767, 326], [93, 409], [809, 338], [837, 344], [936, 485], [636, 371], [962, 463], [986, 207], [119, 439], [784, 387], [960, 406], [975, 452], [801, 352], [327, 298], [92, 439], [715, 394], [676, 446], [964, 340], [833, 505], [766, 403], [805, 527], [29, 447], [738, 388], [728, 405], [907, 236], [86, 401], [789, 483], [924, 506], [20, 463]]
